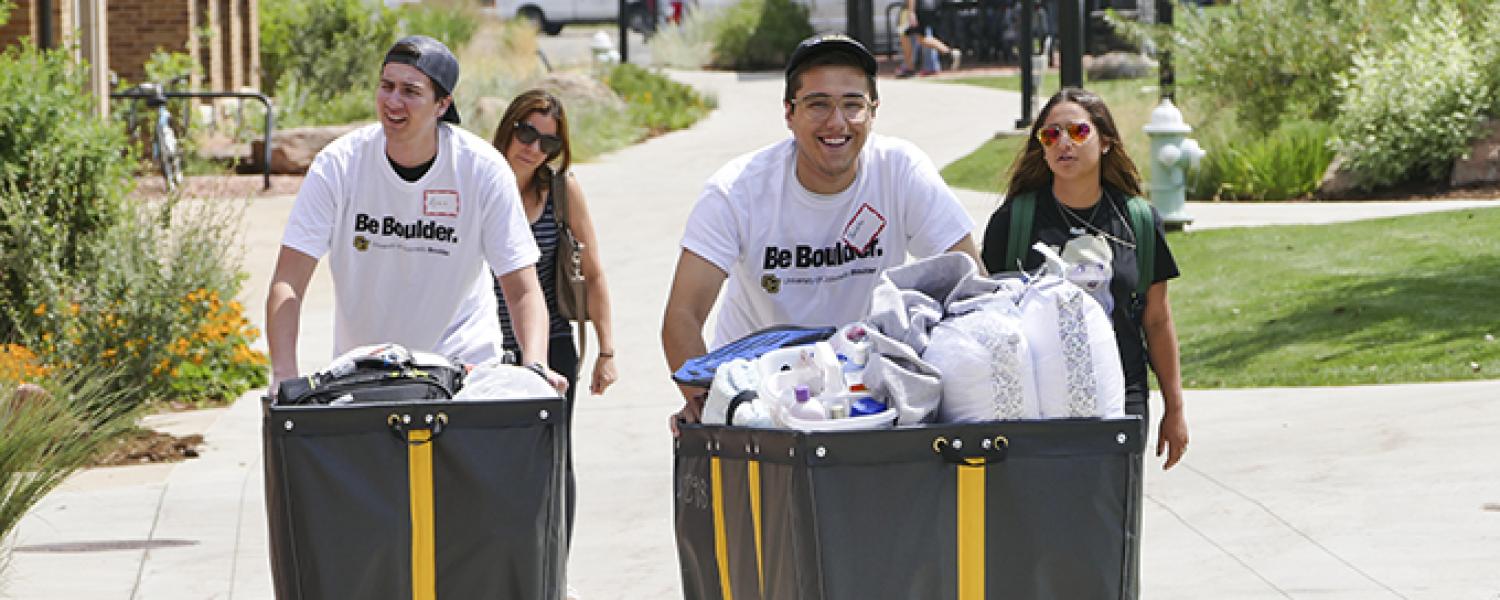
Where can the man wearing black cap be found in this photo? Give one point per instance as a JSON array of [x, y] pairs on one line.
[[803, 228], [408, 212]]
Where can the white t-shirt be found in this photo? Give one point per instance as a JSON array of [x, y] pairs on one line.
[[800, 258], [409, 259]]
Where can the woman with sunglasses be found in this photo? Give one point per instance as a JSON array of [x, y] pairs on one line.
[[1079, 182], [533, 136]]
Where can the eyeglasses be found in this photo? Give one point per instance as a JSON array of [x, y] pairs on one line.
[[1078, 131], [818, 107], [526, 134]]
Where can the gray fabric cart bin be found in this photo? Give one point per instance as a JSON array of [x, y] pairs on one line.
[[1032, 510], [416, 500]]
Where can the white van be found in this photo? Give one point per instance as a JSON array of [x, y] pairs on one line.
[[551, 15]]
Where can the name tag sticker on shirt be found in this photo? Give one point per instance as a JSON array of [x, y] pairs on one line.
[[440, 203], [863, 228]]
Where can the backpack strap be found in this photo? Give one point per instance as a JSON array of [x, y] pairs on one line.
[[1144, 225], [1022, 212]]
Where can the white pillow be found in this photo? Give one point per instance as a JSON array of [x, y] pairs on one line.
[[1073, 351], [985, 362]]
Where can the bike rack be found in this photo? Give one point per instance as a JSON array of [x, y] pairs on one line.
[[270, 116]]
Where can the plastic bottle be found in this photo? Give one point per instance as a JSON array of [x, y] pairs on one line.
[[806, 407], [854, 376]]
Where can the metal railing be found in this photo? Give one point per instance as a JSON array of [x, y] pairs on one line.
[[270, 116]]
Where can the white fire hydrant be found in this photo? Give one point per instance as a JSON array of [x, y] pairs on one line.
[[1172, 155], [604, 53]]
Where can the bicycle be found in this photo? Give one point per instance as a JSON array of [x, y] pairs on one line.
[[166, 153]]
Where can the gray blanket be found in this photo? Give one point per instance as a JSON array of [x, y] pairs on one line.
[[908, 302]]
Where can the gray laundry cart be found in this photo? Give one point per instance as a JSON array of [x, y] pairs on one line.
[[1032, 510], [416, 500]]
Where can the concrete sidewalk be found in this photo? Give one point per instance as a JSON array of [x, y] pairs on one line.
[[1364, 492]]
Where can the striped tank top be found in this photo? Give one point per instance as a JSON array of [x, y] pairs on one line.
[[544, 230]]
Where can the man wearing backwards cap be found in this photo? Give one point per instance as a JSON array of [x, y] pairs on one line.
[[408, 212], [803, 228]]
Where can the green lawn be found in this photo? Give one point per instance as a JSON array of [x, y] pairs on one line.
[[1129, 100], [1395, 300]]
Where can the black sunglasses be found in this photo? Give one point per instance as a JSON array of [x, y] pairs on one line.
[[526, 134]]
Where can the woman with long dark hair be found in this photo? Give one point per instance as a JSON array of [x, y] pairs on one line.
[[533, 136], [1082, 194]]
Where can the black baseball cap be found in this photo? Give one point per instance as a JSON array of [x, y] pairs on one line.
[[434, 60], [830, 42]]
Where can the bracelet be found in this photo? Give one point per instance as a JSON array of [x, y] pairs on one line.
[[606, 355]]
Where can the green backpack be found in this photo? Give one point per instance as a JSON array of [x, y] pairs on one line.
[[1023, 212]]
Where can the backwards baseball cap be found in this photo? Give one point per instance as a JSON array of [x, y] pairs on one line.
[[434, 60], [824, 43]]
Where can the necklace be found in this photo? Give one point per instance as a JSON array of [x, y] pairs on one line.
[[1085, 222], [1088, 224]]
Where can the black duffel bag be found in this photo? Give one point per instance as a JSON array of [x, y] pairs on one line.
[[386, 373]]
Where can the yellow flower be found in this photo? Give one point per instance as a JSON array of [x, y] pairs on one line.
[[41, 309], [73, 309]]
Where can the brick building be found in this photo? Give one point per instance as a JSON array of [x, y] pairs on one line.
[[222, 36]]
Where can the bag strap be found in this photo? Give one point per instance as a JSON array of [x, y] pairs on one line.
[[1022, 211], [560, 214], [1144, 225], [559, 191]]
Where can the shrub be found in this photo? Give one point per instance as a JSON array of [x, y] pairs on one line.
[[1409, 108], [66, 174], [598, 128], [1286, 164], [655, 102], [497, 65], [759, 34], [322, 59], [687, 44], [45, 437], [173, 338], [1247, 53], [88, 276], [452, 23]]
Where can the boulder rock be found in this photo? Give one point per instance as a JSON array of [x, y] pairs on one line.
[[576, 88], [1481, 165], [1120, 65], [1337, 181], [487, 113], [292, 150]]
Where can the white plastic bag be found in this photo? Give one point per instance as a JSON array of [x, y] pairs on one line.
[[732, 379], [985, 362], [495, 380], [1073, 352]]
